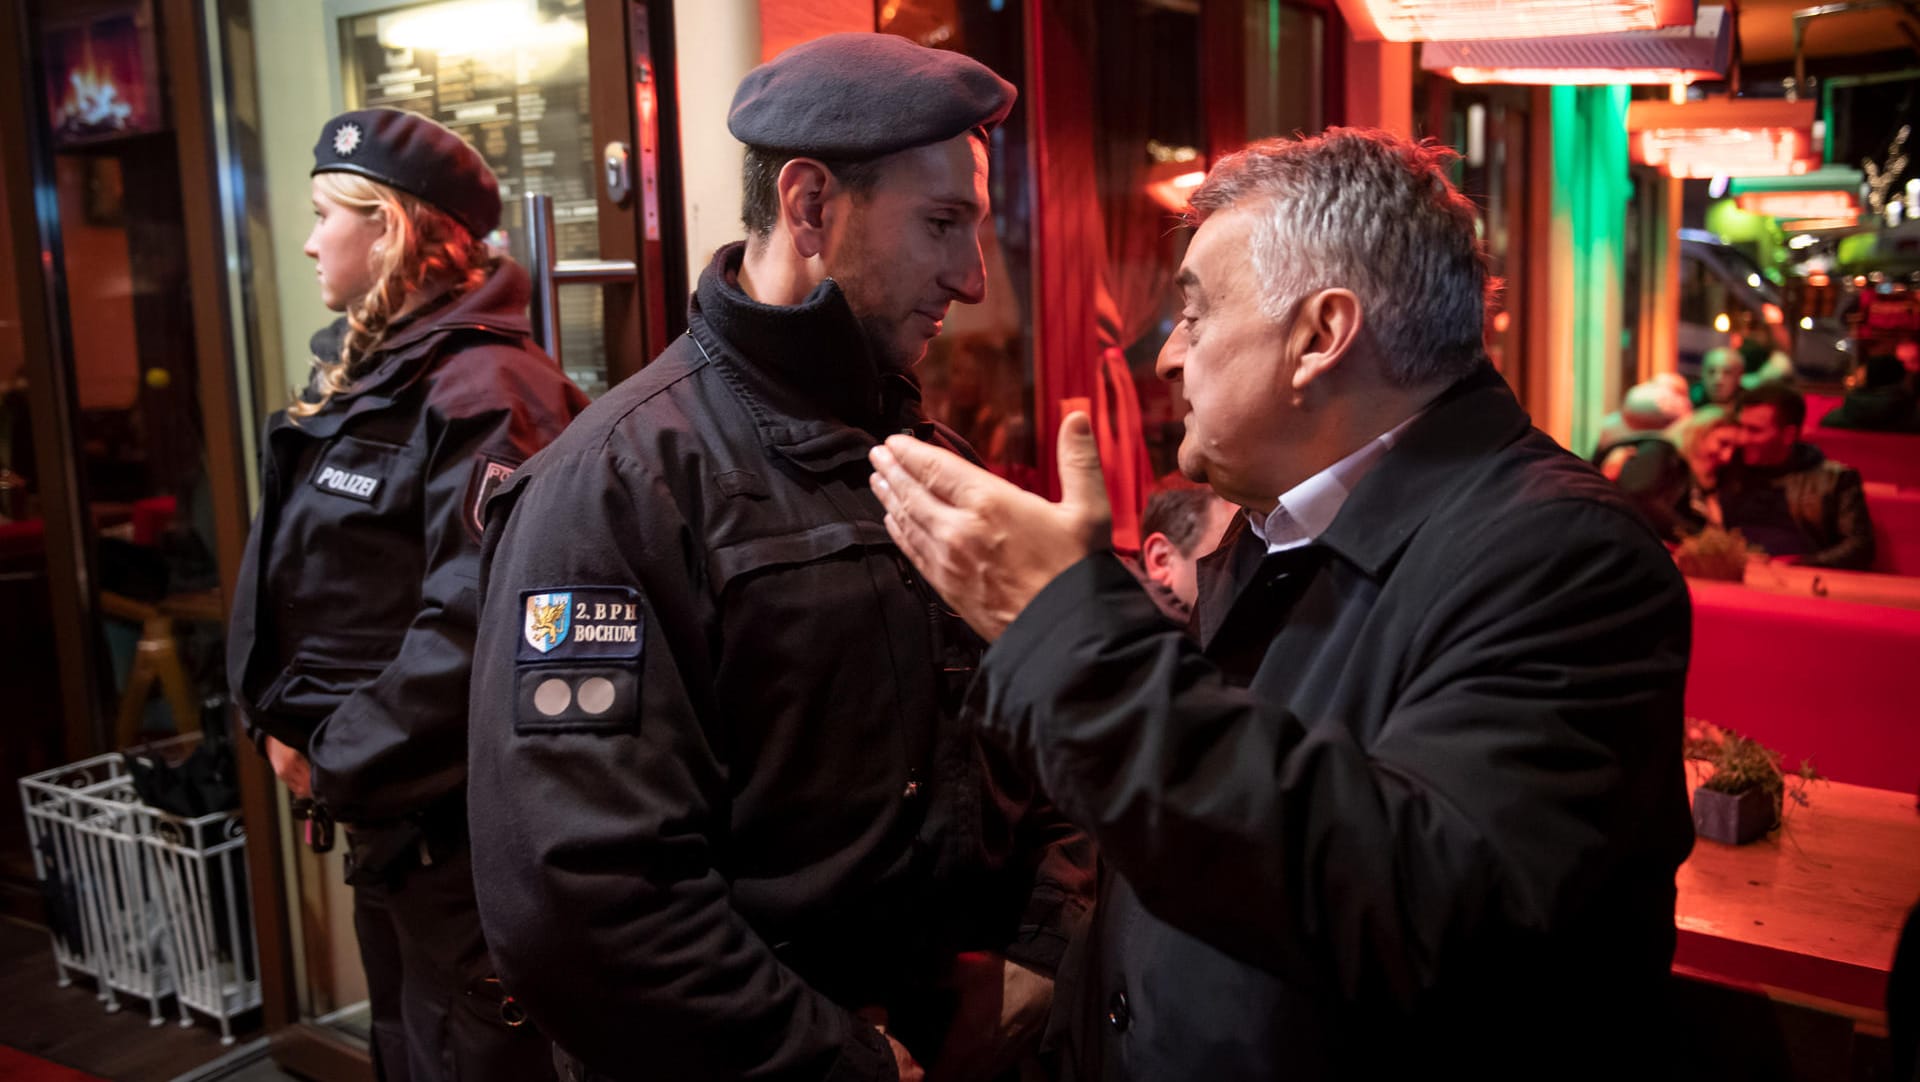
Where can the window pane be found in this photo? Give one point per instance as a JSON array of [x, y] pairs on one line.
[[978, 374]]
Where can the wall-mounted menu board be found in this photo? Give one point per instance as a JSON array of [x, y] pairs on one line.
[[511, 77]]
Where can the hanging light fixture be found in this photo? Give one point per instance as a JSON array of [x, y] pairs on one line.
[[1678, 54], [1175, 173], [1724, 137], [1479, 20]]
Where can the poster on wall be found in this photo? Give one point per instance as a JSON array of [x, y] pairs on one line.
[[103, 75], [511, 77]]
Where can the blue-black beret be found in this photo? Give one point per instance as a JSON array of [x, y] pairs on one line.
[[863, 95], [414, 154]]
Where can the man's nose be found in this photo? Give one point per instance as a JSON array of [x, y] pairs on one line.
[[1172, 359], [966, 279]]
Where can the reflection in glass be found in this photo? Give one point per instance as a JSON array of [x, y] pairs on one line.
[[978, 375], [511, 77]]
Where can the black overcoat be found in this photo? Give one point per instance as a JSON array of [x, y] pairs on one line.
[[1412, 806]]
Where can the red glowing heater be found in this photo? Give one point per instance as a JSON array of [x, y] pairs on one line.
[[1480, 20], [1798, 206], [1724, 137], [1676, 54]]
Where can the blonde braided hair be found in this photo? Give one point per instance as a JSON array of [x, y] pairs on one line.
[[424, 244]]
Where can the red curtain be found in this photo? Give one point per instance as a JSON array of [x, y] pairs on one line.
[[1099, 272]]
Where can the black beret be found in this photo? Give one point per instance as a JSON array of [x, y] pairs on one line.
[[864, 95], [412, 153]]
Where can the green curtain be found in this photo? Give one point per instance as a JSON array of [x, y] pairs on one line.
[[1591, 187]]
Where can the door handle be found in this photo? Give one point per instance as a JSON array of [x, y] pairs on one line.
[[549, 272], [617, 171]]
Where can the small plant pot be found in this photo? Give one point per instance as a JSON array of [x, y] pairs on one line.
[[1733, 818]]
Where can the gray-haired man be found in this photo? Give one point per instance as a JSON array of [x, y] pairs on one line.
[[1414, 802]]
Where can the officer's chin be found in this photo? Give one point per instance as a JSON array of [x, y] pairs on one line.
[[908, 353]]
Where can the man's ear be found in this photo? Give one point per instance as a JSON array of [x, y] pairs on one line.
[[1156, 555], [1324, 330], [804, 186]]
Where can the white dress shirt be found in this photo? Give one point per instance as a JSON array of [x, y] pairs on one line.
[[1308, 508]]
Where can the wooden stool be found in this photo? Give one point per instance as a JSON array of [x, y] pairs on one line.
[[157, 657]]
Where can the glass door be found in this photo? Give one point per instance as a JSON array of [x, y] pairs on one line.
[[114, 528], [570, 103]]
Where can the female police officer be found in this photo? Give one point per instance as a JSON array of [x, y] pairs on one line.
[[353, 621]]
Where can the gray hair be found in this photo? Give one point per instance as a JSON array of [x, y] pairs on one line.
[[1371, 212]]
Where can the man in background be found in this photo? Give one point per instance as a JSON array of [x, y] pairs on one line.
[[1787, 496], [1179, 527], [1720, 372]]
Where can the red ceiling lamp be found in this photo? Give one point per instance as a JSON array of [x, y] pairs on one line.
[[1677, 54], [1479, 20], [1730, 137], [1176, 171]]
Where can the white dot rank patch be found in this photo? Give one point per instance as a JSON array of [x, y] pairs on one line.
[[576, 699], [580, 623]]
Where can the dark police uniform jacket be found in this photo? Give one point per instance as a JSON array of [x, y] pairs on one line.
[[352, 627], [716, 759], [1413, 804]]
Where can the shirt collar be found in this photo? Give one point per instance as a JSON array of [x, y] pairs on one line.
[[1308, 508]]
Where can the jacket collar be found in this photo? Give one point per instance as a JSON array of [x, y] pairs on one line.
[[1470, 420], [497, 306], [805, 371]]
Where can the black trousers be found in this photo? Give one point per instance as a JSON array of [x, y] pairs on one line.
[[434, 1019]]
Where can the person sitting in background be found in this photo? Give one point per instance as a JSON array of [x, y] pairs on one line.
[[1646, 411], [1180, 526], [1708, 441], [1884, 401], [1786, 496], [1720, 372], [1675, 484]]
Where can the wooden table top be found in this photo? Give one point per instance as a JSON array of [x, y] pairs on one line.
[[1814, 908]]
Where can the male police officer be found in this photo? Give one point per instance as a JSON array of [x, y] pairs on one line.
[[733, 827]]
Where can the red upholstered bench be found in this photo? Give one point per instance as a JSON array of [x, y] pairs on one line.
[[1896, 529], [1879, 456], [1818, 406], [1812, 677]]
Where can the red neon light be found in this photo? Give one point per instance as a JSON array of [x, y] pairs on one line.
[[1480, 20]]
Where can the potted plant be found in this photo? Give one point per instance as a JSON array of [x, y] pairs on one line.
[[1744, 797]]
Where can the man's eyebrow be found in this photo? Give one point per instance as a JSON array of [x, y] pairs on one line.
[[1188, 283], [963, 203]]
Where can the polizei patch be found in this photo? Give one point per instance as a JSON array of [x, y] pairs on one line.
[[581, 623], [354, 486]]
